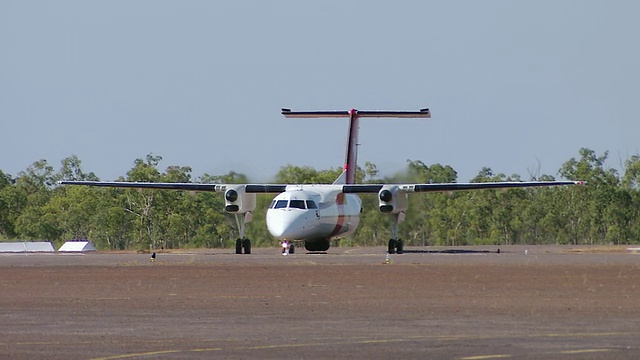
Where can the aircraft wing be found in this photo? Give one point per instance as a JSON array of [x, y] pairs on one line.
[[249, 188], [446, 187], [352, 188]]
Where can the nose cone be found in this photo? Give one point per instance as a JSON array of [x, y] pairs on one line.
[[276, 228], [286, 225]]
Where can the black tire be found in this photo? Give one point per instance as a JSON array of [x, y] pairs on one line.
[[239, 246], [292, 249], [399, 246], [246, 244], [318, 245], [392, 246]]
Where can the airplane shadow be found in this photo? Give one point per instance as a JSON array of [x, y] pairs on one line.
[[451, 251]]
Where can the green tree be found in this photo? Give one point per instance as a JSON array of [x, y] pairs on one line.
[[306, 175], [140, 202], [418, 172], [72, 170], [631, 178], [11, 204], [231, 177], [34, 186], [588, 205]]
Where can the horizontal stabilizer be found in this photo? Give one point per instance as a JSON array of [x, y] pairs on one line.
[[422, 113], [314, 114]]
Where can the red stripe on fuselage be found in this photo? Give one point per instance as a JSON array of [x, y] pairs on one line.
[[341, 200]]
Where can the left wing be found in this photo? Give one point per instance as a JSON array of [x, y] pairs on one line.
[[393, 198], [444, 187]]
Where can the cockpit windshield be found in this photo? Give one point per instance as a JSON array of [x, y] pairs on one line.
[[296, 204], [293, 204], [281, 204]]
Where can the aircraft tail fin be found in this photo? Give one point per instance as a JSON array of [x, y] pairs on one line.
[[348, 176], [342, 179]]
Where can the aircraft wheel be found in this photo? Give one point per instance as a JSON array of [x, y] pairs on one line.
[[246, 244], [292, 249], [399, 246], [239, 246], [392, 246]]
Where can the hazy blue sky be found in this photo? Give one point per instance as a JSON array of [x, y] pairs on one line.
[[516, 86]]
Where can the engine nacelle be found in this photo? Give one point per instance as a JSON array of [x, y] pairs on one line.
[[237, 201], [392, 200]]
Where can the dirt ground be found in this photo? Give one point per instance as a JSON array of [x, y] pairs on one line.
[[436, 303]]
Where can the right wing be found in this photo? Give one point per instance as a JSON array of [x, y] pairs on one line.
[[249, 188]]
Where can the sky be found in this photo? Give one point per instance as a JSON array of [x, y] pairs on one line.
[[517, 86]]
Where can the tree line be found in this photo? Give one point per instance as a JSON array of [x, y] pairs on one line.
[[605, 211]]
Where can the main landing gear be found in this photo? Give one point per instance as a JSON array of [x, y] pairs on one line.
[[243, 243], [317, 245], [396, 246]]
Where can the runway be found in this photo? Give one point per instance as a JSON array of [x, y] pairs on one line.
[[472, 303]]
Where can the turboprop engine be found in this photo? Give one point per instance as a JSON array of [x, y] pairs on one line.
[[237, 201], [392, 200]]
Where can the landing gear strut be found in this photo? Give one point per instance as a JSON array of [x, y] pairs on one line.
[[396, 246], [242, 243]]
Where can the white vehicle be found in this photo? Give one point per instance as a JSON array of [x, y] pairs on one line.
[[318, 213]]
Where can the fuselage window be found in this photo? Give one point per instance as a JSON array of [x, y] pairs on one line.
[[281, 204], [296, 204], [311, 204]]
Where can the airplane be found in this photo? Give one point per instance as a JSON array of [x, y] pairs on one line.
[[318, 213]]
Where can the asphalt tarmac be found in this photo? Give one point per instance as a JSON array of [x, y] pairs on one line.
[[558, 302]]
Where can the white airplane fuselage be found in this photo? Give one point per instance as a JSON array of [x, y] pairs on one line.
[[313, 213]]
